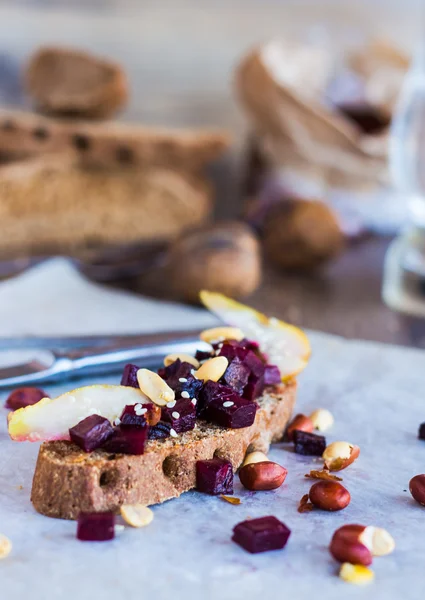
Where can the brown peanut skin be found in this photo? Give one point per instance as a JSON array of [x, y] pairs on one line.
[[299, 423], [346, 547], [417, 488], [262, 476], [339, 465], [329, 495]]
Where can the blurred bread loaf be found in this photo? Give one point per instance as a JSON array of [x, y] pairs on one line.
[[52, 205], [68, 82]]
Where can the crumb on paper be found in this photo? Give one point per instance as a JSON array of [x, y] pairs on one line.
[[231, 499]]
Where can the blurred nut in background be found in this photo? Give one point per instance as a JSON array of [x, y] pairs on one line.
[[301, 234], [221, 258], [63, 81]]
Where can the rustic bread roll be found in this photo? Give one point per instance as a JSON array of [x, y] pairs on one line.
[[68, 481], [67, 82], [51, 205]]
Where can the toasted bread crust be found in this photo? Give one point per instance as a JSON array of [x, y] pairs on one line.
[[68, 481], [109, 144]]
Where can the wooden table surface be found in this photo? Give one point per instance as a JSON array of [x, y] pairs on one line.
[[180, 55]]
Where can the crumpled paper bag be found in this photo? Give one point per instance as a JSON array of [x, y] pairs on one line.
[[285, 90]]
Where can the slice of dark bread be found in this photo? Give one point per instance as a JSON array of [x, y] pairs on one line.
[[68, 481], [109, 144]]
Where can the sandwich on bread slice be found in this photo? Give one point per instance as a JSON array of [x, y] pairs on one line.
[[140, 442]]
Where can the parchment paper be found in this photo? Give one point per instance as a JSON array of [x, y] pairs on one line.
[[376, 394]]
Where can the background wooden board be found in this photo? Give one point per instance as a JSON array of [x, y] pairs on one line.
[[180, 57]]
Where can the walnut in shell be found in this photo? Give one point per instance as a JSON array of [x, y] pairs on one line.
[[301, 234], [221, 258]]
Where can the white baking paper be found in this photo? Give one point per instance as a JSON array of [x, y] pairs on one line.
[[377, 396]]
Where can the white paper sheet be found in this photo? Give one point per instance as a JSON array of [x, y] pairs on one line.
[[376, 394]]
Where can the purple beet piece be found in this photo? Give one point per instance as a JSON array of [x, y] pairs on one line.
[[159, 431], [129, 418], [234, 412], [421, 434], [96, 527], [127, 440], [261, 535], [272, 375], [212, 390], [214, 476], [24, 396], [309, 444], [232, 349], [254, 364], [254, 388], [91, 433], [236, 375], [129, 376], [203, 355], [182, 416], [179, 377]]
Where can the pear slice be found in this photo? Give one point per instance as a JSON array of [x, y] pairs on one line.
[[51, 418], [285, 345]]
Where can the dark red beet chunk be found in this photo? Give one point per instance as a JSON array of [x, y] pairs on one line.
[[91, 433], [96, 527], [236, 375], [261, 535], [129, 376], [182, 416], [421, 434], [213, 391], [131, 416], [160, 431], [272, 375], [24, 396], [234, 412], [202, 355], [177, 371], [309, 444], [127, 440], [214, 476]]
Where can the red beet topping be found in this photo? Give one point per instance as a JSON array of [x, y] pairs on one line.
[[272, 375], [234, 412], [309, 444], [260, 535], [24, 396], [213, 391], [130, 418], [182, 416], [96, 527], [127, 440], [237, 375], [91, 433], [129, 376], [214, 476], [179, 377]]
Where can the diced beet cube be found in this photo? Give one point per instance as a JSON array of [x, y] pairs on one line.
[[159, 431], [212, 390], [236, 375], [24, 396], [91, 433], [96, 527], [421, 434], [182, 416], [235, 412], [214, 476], [232, 349], [137, 415], [254, 364], [203, 355], [129, 376], [272, 375], [127, 440], [254, 388], [179, 377], [261, 535], [308, 444]]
